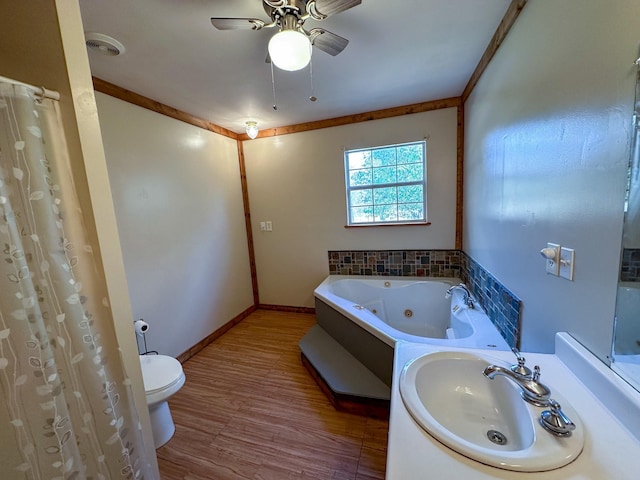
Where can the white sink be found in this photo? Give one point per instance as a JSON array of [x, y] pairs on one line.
[[485, 420]]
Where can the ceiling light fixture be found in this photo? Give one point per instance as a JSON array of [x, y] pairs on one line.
[[290, 50], [252, 129]]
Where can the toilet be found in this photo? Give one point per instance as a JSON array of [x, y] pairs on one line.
[[162, 377]]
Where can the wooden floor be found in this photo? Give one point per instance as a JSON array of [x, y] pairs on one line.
[[250, 410]]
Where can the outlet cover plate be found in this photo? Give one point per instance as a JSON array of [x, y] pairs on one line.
[[553, 266]]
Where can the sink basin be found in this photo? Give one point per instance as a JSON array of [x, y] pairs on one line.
[[485, 420]]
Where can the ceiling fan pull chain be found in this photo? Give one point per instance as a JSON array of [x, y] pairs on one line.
[[273, 86], [313, 96]]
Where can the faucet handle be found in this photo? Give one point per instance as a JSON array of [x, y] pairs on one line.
[[520, 368], [556, 421], [536, 373]]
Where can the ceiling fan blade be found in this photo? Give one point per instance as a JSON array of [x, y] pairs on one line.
[[237, 23], [327, 42], [331, 7]]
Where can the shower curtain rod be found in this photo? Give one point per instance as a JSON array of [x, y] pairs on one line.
[[43, 92]]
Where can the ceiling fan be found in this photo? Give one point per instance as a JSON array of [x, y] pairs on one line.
[[290, 48]]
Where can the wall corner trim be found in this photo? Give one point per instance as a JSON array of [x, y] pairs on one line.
[[112, 90], [510, 17]]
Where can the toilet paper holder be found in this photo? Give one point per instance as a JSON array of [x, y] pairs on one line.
[[141, 327]]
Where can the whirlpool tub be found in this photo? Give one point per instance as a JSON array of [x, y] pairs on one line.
[[360, 319], [414, 309]]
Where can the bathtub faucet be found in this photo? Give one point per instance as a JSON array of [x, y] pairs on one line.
[[467, 300]]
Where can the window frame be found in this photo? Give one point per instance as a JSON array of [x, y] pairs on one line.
[[372, 186]]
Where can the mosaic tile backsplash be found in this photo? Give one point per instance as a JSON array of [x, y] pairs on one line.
[[409, 263], [502, 306], [630, 269]]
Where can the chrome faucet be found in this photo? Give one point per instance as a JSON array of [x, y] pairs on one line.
[[532, 390], [467, 300], [555, 421]]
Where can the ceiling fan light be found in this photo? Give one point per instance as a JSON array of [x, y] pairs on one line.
[[290, 50], [252, 129]]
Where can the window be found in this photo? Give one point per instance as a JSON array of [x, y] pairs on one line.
[[386, 185]]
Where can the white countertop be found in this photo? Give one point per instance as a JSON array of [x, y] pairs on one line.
[[610, 452]]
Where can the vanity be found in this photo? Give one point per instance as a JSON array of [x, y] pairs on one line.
[[605, 409]]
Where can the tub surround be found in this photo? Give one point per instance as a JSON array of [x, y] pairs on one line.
[[502, 306], [375, 354], [611, 450]]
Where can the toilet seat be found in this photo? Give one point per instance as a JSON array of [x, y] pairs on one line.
[[162, 377]]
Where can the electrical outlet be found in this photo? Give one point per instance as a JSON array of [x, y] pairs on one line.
[[567, 260], [269, 226], [552, 256]]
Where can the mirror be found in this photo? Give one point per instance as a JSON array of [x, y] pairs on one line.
[[625, 358]]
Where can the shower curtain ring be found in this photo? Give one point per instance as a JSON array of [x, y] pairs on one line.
[[40, 95]]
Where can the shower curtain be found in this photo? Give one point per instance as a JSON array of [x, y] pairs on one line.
[[66, 405]]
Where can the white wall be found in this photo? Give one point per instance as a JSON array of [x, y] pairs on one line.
[[297, 182], [178, 202], [546, 149]]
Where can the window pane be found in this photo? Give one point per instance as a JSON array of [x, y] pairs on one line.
[[384, 175], [412, 172], [361, 197], [410, 154], [385, 213], [410, 194], [384, 157], [359, 159], [411, 211], [385, 196], [359, 177], [386, 184], [361, 214]]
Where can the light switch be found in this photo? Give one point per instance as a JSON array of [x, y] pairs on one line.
[[269, 226], [567, 259], [263, 226]]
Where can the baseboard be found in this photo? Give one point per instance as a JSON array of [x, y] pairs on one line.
[[183, 357], [284, 308], [367, 407]]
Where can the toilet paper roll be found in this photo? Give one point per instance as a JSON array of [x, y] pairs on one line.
[[141, 327]]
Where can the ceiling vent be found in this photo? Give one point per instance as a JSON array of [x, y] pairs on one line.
[[104, 44]]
